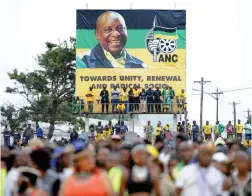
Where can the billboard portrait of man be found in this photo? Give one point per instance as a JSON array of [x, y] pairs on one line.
[[110, 52]]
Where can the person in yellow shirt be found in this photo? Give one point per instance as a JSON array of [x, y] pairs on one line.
[[207, 130], [124, 98], [120, 108], [181, 101], [107, 132], [136, 98], [239, 130], [159, 129], [90, 100], [247, 143]]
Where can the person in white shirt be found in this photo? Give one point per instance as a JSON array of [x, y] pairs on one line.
[[21, 159], [200, 178]]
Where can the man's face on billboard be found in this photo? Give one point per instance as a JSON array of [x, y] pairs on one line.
[[111, 32]]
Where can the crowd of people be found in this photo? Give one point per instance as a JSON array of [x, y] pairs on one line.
[[134, 100], [108, 167]]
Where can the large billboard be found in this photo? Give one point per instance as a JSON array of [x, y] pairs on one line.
[[124, 48]]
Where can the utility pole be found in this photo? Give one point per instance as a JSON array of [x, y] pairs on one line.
[[201, 82], [234, 108], [249, 116], [217, 97]]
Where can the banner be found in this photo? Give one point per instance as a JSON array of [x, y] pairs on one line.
[[130, 47]]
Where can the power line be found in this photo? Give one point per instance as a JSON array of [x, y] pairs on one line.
[[227, 91]]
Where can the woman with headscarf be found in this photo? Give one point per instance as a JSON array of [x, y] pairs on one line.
[[140, 180], [87, 179]]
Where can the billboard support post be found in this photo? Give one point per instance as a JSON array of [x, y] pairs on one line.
[[86, 123]]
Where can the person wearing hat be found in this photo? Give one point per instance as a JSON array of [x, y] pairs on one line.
[[87, 178], [62, 159], [27, 182], [220, 161], [115, 142], [140, 179]]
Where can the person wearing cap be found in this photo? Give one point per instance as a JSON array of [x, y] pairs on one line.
[[148, 130], [27, 182], [140, 179], [207, 130], [220, 161], [63, 160], [87, 178], [115, 142]]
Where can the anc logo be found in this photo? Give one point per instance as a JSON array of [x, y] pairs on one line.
[[161, 40]]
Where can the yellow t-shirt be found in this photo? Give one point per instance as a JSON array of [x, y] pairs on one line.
[[136, 93], [182, 96], [239, 128], [247, 143], [90, 98], [124, 96], [158, 130], [207, 129], [106, 134], [120, 107]]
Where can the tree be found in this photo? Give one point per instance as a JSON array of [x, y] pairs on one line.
[[15, 117], [50, 88]]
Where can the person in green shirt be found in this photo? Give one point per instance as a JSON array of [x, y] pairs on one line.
[[218, 129], [166, 99], [171, 95]]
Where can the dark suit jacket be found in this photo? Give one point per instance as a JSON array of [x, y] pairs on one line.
[[97, 59]]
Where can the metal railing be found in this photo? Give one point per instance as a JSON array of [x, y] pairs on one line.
[[127, 108]]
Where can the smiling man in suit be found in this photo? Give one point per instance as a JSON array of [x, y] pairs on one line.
[[110, 52]]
